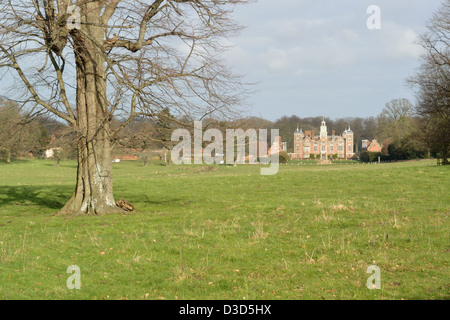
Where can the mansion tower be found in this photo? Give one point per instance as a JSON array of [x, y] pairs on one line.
[[323, 145]]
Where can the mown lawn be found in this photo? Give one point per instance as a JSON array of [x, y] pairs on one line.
[[225, 232]]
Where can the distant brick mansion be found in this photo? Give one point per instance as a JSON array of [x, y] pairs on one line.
[[323, 146]]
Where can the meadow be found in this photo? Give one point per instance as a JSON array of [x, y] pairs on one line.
[[225, 232]]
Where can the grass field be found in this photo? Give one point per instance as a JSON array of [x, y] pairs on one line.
[[224, 232]]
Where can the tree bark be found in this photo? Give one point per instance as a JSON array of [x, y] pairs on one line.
[[445, 158], [94, 189]]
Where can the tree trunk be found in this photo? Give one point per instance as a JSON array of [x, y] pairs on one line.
[[94, 189], [8, 156]]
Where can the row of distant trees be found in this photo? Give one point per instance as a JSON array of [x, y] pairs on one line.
[[23, 134], [398, 127]]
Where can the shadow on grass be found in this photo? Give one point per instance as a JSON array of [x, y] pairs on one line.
[[50, 197], [62, 165], [174, 202], [54, 197], [13, 161], [148, 199]]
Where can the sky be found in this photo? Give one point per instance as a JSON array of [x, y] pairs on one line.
[[319, 58]]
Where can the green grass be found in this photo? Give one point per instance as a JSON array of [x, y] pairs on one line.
[[225, 232]]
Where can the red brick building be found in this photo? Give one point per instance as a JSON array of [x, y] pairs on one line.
[[323, 145], [370, 146]]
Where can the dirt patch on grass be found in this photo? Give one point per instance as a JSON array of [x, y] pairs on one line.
[[341, 207], [206, 169]]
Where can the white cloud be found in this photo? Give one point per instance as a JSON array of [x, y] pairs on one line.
[[325, 45], [401, 42]]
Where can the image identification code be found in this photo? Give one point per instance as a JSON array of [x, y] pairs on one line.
[[234, 309]]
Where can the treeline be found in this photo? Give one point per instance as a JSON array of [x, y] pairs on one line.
[[397, 128]]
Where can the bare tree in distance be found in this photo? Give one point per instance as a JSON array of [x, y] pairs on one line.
[[395, 119], [117, 59], [19, 133], [432, 84]]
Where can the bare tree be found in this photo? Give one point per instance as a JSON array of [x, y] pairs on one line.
[[19, 134], [396, 118], [432, 84], [117, 58], [10, 137]]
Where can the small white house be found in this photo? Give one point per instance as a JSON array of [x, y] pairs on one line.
[[50, 153]]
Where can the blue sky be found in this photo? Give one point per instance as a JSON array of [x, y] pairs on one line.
[[317, 57]]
